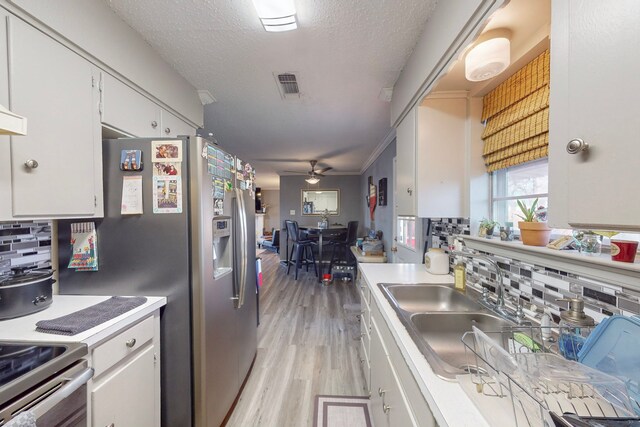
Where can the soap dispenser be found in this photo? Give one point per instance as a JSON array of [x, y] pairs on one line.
[[575, 326]]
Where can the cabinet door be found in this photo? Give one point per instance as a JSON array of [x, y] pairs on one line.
[[54, 88], [127, 397], [389, 406], [440, 179], [128, 111], [173, 126], [406, 164], [594, 81]]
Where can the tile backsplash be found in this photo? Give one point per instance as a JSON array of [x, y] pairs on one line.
[[537, 284], [25, 244]]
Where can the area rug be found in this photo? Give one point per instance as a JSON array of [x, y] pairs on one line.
[[341, 411]]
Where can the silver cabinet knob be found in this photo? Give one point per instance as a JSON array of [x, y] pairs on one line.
[[31, 164], [167, 130], [381, 392], [131, 342], [154, 124], [577, 145], [409, 190], [386, 408]]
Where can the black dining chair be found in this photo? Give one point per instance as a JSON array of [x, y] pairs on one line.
[[341, 252], [303, 249]]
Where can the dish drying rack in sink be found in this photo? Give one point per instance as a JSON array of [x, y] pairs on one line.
[[518, 364]]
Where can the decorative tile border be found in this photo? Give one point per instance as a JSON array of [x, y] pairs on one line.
[[25, 244], [540, 285]]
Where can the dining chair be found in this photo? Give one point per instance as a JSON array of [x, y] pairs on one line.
[[303, 249], [341, 252]]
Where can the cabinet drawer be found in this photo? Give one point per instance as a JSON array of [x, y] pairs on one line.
[[119, 347], [366, 366]]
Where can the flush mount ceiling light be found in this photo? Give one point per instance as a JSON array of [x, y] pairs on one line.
[[276, 15], [487, 59], [312, 180]]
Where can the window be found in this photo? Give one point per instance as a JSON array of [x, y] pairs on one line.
[[406, 234], [525, 182]]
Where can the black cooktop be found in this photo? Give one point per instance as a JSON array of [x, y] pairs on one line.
[[24, 365]]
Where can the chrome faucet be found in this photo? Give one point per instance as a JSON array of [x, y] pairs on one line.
[[499, 288]]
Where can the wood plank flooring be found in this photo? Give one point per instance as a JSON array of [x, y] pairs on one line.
[[307, 345]]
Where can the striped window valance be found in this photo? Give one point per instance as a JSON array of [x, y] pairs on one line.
[[517, 117]]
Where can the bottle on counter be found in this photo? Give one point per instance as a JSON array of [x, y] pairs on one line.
[[459, 269]]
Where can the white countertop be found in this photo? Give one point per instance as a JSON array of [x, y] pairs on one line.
[[24, 328], [447, 400]]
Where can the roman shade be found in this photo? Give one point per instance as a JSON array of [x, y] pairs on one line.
[[517, 117]]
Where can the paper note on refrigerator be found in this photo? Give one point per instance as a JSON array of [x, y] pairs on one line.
[[131, 195]]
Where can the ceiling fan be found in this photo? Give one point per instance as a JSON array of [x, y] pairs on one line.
[[313, 173]]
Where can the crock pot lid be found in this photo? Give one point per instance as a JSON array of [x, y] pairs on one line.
[[20, 275]]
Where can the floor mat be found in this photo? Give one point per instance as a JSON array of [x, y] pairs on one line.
[[342, 411]]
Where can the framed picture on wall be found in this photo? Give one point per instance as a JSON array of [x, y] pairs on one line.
[[382, 192]]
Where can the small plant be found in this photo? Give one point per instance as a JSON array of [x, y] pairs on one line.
[[528, 213], [488, 224]]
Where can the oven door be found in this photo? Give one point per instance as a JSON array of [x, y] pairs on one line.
[[60, 401]]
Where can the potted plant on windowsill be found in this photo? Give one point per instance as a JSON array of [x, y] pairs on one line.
[[533, 230], [487, 227]]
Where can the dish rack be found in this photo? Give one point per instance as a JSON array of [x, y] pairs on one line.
[[518, 364]]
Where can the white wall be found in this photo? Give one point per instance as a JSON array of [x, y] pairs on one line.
[[272, 215], [95, 28]]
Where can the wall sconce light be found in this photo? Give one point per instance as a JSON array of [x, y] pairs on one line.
[[487, 59]]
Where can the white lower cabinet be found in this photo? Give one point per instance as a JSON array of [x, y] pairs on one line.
[[396, 399], [126, 397], [389, 407], [125, 389]]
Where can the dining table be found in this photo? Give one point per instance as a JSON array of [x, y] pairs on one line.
[[323, 233]]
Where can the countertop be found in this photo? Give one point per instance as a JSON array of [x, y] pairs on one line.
[[24, 328], [447, 400]]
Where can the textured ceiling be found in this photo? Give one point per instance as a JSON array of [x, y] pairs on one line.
[[344, 52]]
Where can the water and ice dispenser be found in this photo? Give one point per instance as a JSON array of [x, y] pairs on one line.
[[222, 246]]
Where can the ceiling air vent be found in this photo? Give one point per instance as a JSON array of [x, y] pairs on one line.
[[288, 85]]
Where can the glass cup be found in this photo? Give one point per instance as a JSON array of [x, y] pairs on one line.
[[589, 243]]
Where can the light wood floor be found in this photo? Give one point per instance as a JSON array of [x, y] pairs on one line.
[[307, 345]]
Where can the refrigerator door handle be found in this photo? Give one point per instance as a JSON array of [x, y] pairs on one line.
[[235, 212], [243, 247]]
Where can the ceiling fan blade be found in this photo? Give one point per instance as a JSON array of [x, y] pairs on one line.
[[323, 170], [320, 174], [298, 172]]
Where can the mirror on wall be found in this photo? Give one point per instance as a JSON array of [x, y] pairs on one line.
[[315, 202]]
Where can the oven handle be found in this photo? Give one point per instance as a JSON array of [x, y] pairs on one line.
[[72, 384]]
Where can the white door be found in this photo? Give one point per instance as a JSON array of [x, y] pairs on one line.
[[595, 85], [53, 167], [394, 242], [127, 397]]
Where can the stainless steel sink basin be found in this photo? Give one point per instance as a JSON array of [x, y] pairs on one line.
[[429, 298], [439, 337], [437, 316]]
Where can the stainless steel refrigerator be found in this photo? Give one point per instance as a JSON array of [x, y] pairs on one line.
[[201, 256]]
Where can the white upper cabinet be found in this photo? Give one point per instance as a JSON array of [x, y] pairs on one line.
[[173, 126], [431, 158], [128, 111], [440, 157], [594, 90], [56, 168], [406, 164]]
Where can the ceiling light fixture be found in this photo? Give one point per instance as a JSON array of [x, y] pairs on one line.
[[312, 180], [487, 59], [276, 15]]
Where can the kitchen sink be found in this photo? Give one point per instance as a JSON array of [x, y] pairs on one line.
[[428, 298], [436, 317], [439, 337]]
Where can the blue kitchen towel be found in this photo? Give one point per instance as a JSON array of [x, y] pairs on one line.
[[80, 321]]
